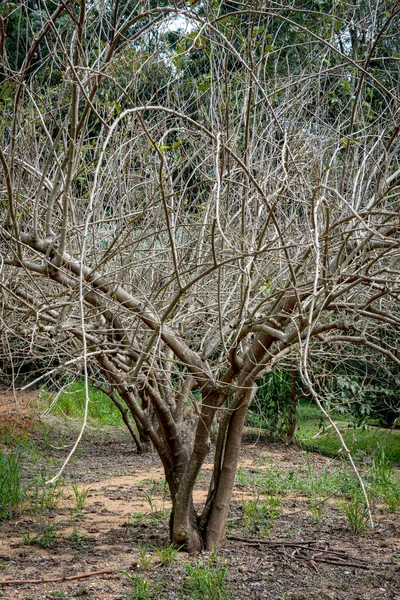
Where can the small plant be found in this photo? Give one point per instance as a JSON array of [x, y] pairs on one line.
[[167, 554], [384, 481], [44, 539], [273, 480], [11, 492], [382, 468], [82, 592], [145, 558], [79, 540], [142, 589], [317, 510], [138, 519], [356, 513], [130, 524], [45, 496], [47, 537], [243, 477], [155, 488], [259, 514], [392, 499], [58, 594], [80, 496], [148, 496], [313, 485], [206, 581]]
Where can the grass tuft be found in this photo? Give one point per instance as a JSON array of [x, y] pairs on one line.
[[206, 581], [258, 515], [142, 589], [11, 492]]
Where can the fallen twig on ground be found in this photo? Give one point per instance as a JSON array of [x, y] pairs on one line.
[[58, 579], [310, 551]]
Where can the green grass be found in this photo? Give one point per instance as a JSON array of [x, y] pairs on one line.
[[206, 581], [46, 538], [141, 588], [380, 476], [11, 491], [43, 497], [259, 514], [167, 554], [369, 441], [71, 403], [356, 513], [80, 496]]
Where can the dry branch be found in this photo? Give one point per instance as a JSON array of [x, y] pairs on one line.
[[58, 579]]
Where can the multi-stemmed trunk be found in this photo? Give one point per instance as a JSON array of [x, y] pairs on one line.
[[207, 530]]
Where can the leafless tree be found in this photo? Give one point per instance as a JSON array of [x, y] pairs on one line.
[[177, 236]]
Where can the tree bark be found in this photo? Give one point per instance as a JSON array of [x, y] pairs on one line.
[[216, 527]]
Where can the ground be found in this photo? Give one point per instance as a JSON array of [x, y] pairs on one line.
[[110, 513]]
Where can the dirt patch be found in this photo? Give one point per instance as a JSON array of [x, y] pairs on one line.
[[17, 412], [126, 509]]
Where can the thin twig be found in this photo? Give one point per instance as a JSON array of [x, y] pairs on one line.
[[333, 557], [58, 579], [249, 540]]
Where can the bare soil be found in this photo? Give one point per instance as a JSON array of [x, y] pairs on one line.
[[126, 508]]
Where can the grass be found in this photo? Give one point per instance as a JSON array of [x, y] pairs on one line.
[[46, 538], [145, 558], [206, 581], [80, 496], [369, 441], [11, 491], [71, 404], [356, 513], [380, 477], [383, 481], [102, 411], [142, 589], [137, 520], [167, 554], [259, 514], [42, 496], [15, 493]]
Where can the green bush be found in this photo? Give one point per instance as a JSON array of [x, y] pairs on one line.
[[369, 395], [272, 408]]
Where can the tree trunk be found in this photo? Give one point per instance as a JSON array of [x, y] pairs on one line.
[[190, 531], [184, 529], [140, 448], [216, 527]]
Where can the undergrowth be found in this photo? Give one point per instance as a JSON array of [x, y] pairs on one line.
[[11, 491], [206, 580], [71, 404]]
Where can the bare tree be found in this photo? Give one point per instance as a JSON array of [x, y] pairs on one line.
[[179, 221]]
